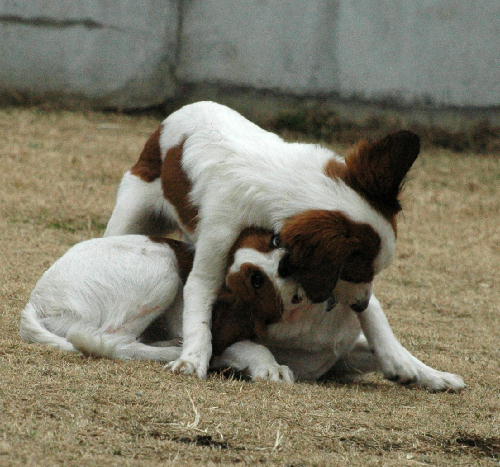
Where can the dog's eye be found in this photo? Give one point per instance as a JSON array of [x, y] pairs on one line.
[[275, 241], [257, 279]]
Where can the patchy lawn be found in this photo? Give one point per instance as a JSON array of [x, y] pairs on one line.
[[58, 176]]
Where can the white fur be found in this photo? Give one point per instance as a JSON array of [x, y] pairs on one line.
[[256, 360], [102, 294], [140, 208], [93, 300], [242, 176]]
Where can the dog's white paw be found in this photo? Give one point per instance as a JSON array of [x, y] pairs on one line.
[[272, 372], [194, 359], [181, 366], [403, 368], [434, 380], [187, 366]]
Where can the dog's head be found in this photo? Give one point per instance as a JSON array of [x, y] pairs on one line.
[[340, 251], [254, 295]]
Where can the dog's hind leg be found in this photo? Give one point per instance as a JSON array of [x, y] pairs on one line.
[[140, 208], [139, 351], [120, 347]]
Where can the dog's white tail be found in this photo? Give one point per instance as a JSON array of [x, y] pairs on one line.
[[99, 344], [31, 330], [90, 341]]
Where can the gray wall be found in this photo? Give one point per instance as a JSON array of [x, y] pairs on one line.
[[139, 53], [110, 53]]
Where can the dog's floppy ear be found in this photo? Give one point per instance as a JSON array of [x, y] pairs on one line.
[[377, 170], [318, 244], [232, 321]]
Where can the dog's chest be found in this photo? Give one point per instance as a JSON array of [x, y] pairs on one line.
[[315, 331], [312, 343]]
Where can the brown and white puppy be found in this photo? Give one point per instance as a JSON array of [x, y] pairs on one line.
[[213, 173], [254, 294], [102, 296], [328, 246], [252, 297]]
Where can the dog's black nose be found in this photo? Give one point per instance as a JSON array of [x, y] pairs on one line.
[[358, 307]]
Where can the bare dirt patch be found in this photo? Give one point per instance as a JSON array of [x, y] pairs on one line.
[[58, 176]]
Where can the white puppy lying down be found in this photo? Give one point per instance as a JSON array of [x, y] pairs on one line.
[[102, 295]]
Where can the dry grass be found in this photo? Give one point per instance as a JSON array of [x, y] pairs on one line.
[[59, 172]]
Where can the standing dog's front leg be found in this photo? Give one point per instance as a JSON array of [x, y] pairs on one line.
[[396, 362], [200, 292]]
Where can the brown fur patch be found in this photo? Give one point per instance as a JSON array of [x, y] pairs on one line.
[[377, 170], [231, 322], [252, 237], [243, 311], [324, 246], [177, 186], [148, 167], [183, 252], [335, 169]]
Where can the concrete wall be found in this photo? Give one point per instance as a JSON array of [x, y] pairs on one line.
[[285, 45], [105, 52], [139, 53], [441, 51]]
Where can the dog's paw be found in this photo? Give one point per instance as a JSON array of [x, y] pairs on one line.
[[405, 369], [436, 381], [194, 358], [187, 367], [272, 372]]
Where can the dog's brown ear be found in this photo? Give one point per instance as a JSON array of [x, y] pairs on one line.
[[377, 170], [232, 321], [318, 244]]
